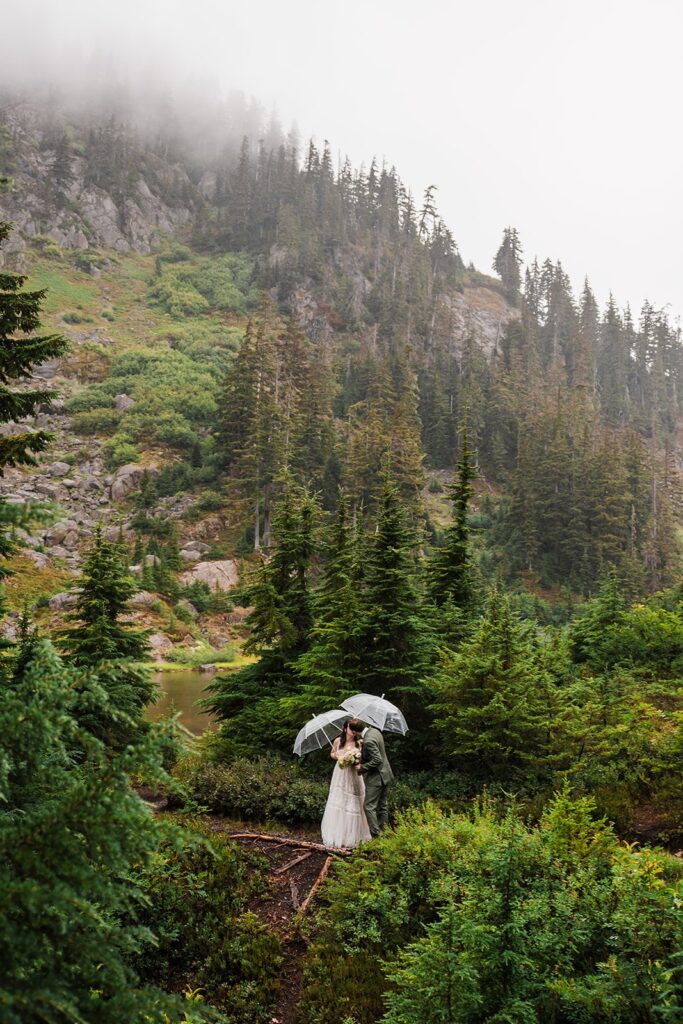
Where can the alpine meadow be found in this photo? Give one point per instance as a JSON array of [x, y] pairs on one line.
[[268, 442]]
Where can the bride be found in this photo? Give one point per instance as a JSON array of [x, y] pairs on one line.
[[344, 824]]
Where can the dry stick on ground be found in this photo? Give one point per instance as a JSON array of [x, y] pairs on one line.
[[316, 885], [301, 843], [294, 889], [291, 863]]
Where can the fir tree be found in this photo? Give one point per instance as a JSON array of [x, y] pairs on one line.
[[103, 591], [334, 667], [21, 350], [397, 643], [491, 703], [507, 264], [73, 837], [26, 646], [281, 619], [98, 641], [249, 701], [450, 571]]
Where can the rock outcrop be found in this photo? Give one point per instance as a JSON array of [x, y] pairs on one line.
[[85, 211], [220, 575]]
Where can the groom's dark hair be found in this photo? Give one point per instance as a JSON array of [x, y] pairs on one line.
[[355, 725]]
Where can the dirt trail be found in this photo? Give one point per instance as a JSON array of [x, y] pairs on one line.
[[298, 865]]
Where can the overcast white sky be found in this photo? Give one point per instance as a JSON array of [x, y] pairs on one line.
[[562, 119]]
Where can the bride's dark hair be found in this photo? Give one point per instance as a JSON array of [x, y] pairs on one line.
[[344, 733]]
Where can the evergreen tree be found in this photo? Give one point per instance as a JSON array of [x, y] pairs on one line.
[[99, 641], [21, 350], [281, 618], [74, 837], [508, 262], [588, 633], [396, 640], [450, 569], [248, 703], [26, 646], [334, 666], [491, 703], [103, 591]]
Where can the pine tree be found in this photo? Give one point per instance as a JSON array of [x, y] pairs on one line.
[[74, 837], [507, 264], [20, 351], [396, 642], [450, 569], [334, 667], [491, 700], [103, 591], [248, 703]]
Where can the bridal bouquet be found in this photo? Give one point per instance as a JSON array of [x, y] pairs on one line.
[[349, 760]]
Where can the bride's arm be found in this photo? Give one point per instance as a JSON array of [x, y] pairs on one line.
[[335, 749]]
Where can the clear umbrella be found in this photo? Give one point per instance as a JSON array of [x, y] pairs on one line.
[[320, 731], [376, 711]]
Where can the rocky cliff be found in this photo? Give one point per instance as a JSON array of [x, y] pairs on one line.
[[85, 187]]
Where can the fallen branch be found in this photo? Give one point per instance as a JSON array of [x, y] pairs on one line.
[[291, 863], [304, 844], [316, 885], [294, 889]]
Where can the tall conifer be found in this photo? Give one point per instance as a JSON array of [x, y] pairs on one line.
[[450, 570], [397, 642]]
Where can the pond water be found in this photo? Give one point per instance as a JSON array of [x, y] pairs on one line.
[[179, 691]]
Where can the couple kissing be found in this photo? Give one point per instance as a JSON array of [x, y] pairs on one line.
[[357, 806]]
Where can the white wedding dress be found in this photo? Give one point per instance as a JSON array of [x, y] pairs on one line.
[[344, 824]]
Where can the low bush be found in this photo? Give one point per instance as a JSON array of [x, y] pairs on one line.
[[189, 287], [451, 919], [195, 903], [272, 788], [203, 653], [74, 317], [263, 789], [96, 421]]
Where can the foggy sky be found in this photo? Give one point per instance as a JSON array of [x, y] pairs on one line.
[[561, 119]]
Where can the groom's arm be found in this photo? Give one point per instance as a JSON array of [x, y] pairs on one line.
[[373, 756]]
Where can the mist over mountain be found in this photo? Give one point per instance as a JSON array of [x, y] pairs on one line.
[[269, 440]]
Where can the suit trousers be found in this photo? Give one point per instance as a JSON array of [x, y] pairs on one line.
[[376, 803]]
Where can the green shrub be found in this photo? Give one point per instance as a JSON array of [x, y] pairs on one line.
[[187, 287], [220, 602], [199, 594], [263, 789], [210, 501], [183, 614], [120, 451], [270, 787], [207, 939], [108, 314], [96, 421], [96, 396], [73, 317], [481, 918]]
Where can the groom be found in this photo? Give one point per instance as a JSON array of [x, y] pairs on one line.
[[376, 770]]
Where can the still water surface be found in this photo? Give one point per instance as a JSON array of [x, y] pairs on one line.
[[179, 691]]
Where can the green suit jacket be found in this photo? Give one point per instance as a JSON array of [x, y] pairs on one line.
[[373, 758]]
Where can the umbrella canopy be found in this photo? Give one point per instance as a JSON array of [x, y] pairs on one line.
[[376, 711], [320, 731]]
